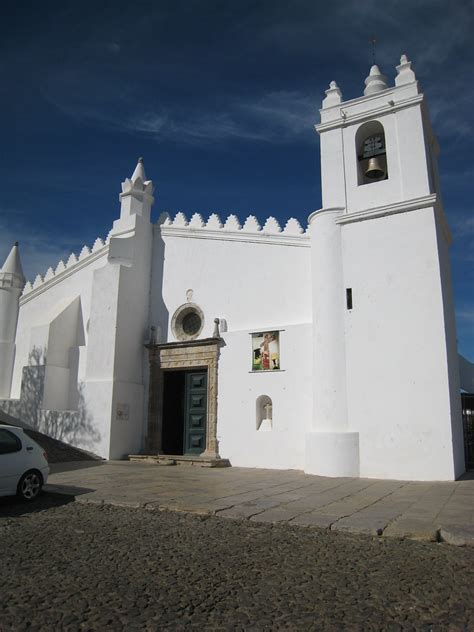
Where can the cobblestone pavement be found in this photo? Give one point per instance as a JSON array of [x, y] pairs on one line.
[[421, 511], [72, 566]]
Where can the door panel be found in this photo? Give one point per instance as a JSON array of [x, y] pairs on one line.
[[195, 412], [198, 380]]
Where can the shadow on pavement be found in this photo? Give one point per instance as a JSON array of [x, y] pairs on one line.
[[11, 506], [69, 466], [66, 490]]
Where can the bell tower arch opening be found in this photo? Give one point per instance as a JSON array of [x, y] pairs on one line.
[[371, 153]]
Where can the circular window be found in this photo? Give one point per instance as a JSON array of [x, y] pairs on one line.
[[187, 322], [191, 323]]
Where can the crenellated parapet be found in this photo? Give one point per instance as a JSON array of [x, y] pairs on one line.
[[214, 227], [250, 230], [72, 264]]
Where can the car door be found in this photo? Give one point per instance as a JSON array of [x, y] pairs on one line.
[[12, 463]]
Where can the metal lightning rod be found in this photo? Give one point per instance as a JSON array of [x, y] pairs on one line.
[[373, 41]]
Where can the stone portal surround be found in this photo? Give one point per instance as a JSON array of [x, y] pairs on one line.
[[196, 354]]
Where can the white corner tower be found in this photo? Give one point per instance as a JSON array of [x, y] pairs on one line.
[[386, 382], [12, 282], [118, 324]]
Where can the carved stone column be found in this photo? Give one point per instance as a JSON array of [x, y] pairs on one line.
[[212, 447], [155, 404]]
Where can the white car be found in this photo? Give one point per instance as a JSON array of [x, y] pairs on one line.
[[23, 464]]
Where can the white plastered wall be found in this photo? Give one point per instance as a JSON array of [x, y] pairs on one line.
[[282, 447], [118, 331], [49, 375], [250, 284], [396, 348], [37, 304], [255, 284]]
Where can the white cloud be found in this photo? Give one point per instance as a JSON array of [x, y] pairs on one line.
[[451, 117], [463, 226], [466, 315], [292, 113], [338, 38], [274, 117]]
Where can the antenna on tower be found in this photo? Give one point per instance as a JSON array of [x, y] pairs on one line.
[[373, 41]]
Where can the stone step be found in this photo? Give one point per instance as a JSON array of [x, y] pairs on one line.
[[179, 459]]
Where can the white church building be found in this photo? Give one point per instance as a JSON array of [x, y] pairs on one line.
[[329, 348]]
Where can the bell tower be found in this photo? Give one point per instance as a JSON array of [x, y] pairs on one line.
[[378, 149], [385, 370]]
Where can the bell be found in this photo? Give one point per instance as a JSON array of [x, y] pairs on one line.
[[374, 169]]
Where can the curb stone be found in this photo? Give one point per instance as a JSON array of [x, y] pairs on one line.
[[87, 501], [457, 536]]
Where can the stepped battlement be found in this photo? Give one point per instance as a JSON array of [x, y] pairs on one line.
[[232, 224], [72, 263]]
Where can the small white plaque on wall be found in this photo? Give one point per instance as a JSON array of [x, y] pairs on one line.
[[122, 412]]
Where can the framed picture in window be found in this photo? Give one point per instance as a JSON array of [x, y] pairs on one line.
[[266, 351]]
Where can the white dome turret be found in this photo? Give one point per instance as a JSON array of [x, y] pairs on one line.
[[375, 82]]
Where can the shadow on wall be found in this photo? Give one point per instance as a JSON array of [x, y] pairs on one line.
[[71, 426], [159, 314], [159, 311]]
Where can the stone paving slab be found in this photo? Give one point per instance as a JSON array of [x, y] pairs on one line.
[[420, 511], [313, 519]]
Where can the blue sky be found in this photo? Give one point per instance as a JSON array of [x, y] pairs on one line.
[[220, 97]]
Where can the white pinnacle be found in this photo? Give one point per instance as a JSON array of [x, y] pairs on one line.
[[333, 95], [405, 74], [12, 263], [375, 82], [139, 171]]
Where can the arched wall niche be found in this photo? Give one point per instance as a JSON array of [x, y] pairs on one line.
[[371, 153], [264, 413]]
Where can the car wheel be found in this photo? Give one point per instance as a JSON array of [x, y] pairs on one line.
[[30, 485]]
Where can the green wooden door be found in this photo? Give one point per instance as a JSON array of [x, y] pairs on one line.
[[195, 415]]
